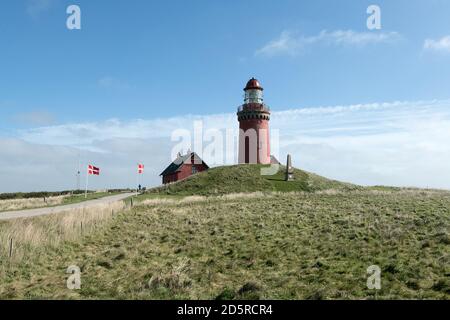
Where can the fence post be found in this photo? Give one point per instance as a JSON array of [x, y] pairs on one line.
[[10, 247], [81, 225]]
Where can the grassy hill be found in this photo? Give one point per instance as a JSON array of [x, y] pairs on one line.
[[197, 239], [248, 178]]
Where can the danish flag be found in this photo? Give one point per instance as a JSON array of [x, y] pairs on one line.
[[140, 168], [93, 170]]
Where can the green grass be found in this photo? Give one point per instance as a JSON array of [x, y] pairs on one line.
[[264, 246], [197, 240], [41, 194], [248, 178], [90, 196]]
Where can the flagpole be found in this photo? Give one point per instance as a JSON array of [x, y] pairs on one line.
[[87, 179], [137, 179]]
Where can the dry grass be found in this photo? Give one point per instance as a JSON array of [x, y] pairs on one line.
[[263, 245], [19, 204], [28, 234], [297, 245], [162, 201]]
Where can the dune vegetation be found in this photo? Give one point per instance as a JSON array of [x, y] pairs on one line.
[[312, 239], [248, 178], [23, 203], [29, 203]]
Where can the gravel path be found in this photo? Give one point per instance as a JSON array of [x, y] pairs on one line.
[[8, 215]]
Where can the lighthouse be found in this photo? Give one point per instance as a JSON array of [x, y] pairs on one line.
[[254, 117]]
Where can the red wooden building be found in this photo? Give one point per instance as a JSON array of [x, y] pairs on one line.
[[183, 167]]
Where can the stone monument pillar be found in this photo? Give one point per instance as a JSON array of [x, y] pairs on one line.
[[289, 169]]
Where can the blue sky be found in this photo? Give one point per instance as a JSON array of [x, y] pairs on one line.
[[155, 61]]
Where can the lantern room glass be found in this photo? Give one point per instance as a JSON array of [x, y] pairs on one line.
[[253, 96]]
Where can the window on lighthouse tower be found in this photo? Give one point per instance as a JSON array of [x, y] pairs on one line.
[[254, 96]]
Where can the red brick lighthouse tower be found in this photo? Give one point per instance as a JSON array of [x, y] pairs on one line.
[[253, 117]]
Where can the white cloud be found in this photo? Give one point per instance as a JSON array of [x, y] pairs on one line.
[[26, 166], [84, 134], [442, 44], [285, 44], [399, 143], [291, 44]]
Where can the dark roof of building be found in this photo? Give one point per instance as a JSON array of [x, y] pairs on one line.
[[180, 160], [253, 84]]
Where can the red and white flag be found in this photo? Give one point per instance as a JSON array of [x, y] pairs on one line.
[[140, 168], [93, 170]]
